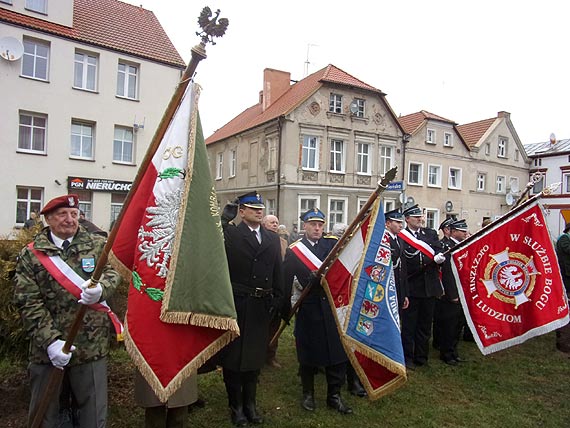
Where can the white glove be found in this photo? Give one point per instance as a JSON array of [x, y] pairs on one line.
[[439, 258], [90, 295], [56, 355]]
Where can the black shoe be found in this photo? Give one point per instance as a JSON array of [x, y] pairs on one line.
[[252, 415], [450, 362], [335, 402], [308, 402], [421, 363], [356, 388], [460, 360], [410, 365], [238, 418]]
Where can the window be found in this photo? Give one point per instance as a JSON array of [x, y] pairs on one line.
[[35, 59], [32, 133], [432, 218], [415, 173], [233, 162], [335, 103], [454, 178], [488, 149], [219, 165], [272, 148], [127, 75], [386, 159], [123, 146], [337, 211], [430, 136], [448, 139], [566, 183], [28, 199], [537, 162], [307, 202], [85, 71], [500, 184], [310, 155], [481, 179], [117, 201], [517, 154], [37, 5], [6, 1], [434, 175], [270, 206], [360, 103], [502, 148], [363, 158], [514, 184], [538, 186], [86, 203], [389, 205], [81, 140], [337, 156]]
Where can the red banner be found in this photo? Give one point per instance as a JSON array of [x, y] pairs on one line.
[[511, 287]]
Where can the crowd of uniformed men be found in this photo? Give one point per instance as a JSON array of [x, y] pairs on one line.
[[265, 273]]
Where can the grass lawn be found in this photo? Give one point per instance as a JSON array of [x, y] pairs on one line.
[[525, 386]]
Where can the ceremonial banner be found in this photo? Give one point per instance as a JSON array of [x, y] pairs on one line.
[[360, 285], [511, 287], [170, 248]]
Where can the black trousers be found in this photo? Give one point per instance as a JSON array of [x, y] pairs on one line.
[[416, 329], [335, 374], [449, 321]]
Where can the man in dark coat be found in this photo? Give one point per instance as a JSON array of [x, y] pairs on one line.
[[317, 339], [424, 286], [563, 255], [254, 259], [448, 312], [445, 245], [394, 224]]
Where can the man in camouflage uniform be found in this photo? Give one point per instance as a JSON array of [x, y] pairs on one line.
[[48, 311]]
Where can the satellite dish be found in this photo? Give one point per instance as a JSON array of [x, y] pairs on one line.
[[552, 138], [11, 49], [449, 206], [514, 186], [354, 107], [410, 201], [509, 199], [402, 198]]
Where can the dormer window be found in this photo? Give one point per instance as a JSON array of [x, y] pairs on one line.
[[430, 136], [502, 148], [335, 103]]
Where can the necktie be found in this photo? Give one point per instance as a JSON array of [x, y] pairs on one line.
[[256, 234], [65, 244]]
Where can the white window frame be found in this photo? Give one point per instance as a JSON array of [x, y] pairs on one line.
[[121, 138], [233, 163], [335, 103], [124, 78], [83, 139], [28, 203], [85, 66], [270, 207], [389, 205], [438, 170], [310, 152], [39, 6], [35, 130], [361, 105], [272, 148], [219, 165], [430, 136], [86, 203], [363, 158], [517, 155], [335, 212], [501, 186], [420, 173], [458, 178], [481, 181], [39, 61], [566, 182], [304, 203], [360, 202], [386, 154], [337, 155], [448, 139], [116, 206], [502, 147], [431, 216], [488, 149]]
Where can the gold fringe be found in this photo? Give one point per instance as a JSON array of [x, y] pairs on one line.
[[164, 393], [121, 269], [373, 355], [200, 320]]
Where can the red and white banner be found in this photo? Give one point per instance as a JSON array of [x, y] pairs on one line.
[[511, 287]]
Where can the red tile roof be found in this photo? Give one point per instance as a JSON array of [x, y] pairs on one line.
[[472, 132], [412, 122], [110, 24], [297, 93]]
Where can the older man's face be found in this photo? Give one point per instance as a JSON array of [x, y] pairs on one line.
[[271, 222], [63, 222]]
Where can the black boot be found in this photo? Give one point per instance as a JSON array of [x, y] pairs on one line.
[[335, 402], [353, 383], [249, 407], [236, 405], [307, 380]]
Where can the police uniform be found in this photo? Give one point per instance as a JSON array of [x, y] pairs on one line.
[[424, 286], [48, 311], [399, 267], [257, 282], [317, 340], [446, 244]]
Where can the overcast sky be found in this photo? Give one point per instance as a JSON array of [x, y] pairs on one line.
[[463, 60]]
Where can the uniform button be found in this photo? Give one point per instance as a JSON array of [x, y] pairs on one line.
[[254, 260], [254, 276], [266, 279]]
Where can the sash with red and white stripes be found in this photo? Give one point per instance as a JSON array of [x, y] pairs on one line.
[[71, 281], [306, 256], [417, 243]]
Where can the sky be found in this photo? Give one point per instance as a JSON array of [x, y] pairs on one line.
[[463, 60]]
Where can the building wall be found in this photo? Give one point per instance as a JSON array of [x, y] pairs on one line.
[[61, 103], [60, 11]]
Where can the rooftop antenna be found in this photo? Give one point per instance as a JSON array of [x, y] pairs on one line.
[[307, 60]]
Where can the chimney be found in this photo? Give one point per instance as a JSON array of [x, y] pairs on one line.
[[275, 84], [504, 114]]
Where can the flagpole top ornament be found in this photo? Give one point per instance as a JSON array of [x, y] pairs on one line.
[[211, 26]]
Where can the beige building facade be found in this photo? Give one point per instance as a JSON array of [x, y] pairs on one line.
[[80, 104]]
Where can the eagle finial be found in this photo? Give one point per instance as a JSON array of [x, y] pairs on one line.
[[211, 27]]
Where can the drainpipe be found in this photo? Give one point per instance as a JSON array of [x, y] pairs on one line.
[[279, 131], [405, 140]]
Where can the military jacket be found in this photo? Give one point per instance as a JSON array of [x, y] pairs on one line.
[[400, 268], [48, 309], [423, 273], [447, 278]]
